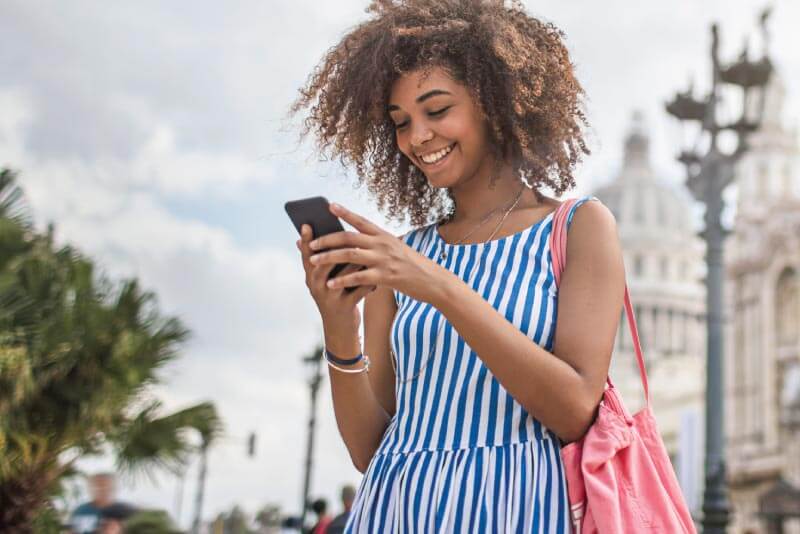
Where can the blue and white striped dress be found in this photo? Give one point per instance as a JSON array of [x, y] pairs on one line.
[[460, 454]]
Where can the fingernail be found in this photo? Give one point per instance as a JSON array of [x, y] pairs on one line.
[[313, 244]]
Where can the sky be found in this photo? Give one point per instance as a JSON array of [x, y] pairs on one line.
[[155, 136]]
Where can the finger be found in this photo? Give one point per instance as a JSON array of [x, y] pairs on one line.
[[346, 255], [354, 296], [306, 236], [362, 277], [351, 268], [360, 223], [318, 275], [341, 240], [315, 276]]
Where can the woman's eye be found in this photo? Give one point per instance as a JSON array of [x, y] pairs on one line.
[[402, 125]]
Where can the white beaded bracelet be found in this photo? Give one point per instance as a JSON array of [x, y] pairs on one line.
[[361, 370]]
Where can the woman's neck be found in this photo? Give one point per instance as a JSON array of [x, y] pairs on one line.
[[474, 199]]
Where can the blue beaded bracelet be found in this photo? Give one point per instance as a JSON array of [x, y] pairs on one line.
[[331, 357]]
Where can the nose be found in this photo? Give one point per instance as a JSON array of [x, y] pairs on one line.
[[420, 134]]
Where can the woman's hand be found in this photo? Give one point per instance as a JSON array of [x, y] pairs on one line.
[[337, 307], [388, 261]]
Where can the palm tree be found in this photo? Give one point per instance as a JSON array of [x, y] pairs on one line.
[[78, 356]]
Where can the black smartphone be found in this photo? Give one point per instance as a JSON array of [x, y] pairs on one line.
[[316, 212]]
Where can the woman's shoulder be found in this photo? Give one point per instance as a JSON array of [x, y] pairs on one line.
[[591, 227], [587, 211], [595, 210]]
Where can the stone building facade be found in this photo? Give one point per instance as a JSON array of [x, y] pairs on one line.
[[763, 336], [658, 225]]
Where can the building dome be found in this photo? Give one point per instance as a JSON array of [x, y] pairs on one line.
[[644, 205]]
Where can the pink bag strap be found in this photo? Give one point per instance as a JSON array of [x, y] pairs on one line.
[[558, 251]]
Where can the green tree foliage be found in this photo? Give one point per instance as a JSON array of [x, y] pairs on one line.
[[77, 356], [150, 522]]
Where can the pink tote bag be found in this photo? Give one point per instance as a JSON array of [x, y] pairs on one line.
[[619, 477]]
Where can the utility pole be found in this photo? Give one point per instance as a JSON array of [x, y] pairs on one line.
[[707, 176], [314, 360]]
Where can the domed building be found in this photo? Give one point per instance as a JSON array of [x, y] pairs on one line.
[[664, 267]]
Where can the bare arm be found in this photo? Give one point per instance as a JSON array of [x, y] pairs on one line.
[[364, 406], [359, 416], [560, 389]]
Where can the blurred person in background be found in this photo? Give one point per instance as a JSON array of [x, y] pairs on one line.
[[338, 523], [320, 507], [86, 517], [113, 517], [103, 514]]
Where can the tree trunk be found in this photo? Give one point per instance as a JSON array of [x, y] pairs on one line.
[[21, 501], [201, 483]]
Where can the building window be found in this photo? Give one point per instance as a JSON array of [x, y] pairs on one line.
[[665, 268], [787, 308], [663, 212], [762, 181], [638, 265], [638, 210], [790, 394], [787, 180]]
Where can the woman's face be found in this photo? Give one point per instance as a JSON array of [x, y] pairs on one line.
[[438, 126]]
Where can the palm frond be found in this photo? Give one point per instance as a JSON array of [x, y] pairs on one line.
[[12, 203], [149, 442]]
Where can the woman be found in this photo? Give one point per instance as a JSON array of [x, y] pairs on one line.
[[472, 381]]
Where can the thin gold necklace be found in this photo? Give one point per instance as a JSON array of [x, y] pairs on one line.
[[392, 356], [443, 252]]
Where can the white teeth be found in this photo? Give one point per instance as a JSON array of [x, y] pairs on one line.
[[436, 156]]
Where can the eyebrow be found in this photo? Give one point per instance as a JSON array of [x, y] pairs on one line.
[[423, 98]]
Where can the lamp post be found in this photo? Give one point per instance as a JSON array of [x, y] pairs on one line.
[[707, 176], [314, 360]]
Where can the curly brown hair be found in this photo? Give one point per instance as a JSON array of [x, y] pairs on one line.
[[515, 66]]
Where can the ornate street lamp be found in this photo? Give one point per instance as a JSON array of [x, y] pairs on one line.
[[708, 174]]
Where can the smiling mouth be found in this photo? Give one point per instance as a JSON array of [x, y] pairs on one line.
[[437, 158]]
